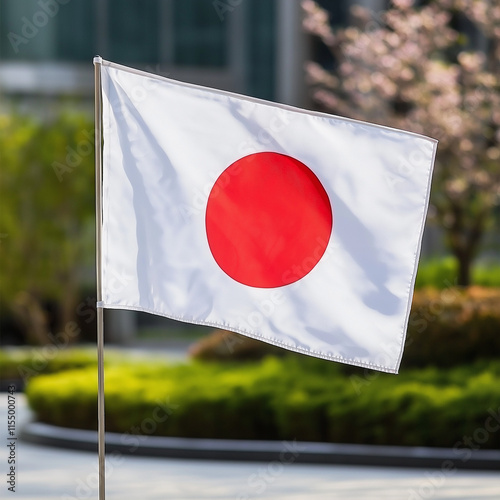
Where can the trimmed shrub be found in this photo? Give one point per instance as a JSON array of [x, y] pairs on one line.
[[453, 327], [221, 345], [292, 398]]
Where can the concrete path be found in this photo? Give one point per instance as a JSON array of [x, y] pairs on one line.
[[50, 473]]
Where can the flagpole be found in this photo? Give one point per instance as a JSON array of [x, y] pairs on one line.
[[100, 311]]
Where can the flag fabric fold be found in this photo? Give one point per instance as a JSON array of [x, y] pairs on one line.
[[297, 228]]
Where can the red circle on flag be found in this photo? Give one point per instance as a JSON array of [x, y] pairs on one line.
[[268, 220]]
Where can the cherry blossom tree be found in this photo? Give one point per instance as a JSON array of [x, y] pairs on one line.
[[431, 69]]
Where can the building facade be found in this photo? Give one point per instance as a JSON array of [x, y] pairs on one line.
[[255, 47]]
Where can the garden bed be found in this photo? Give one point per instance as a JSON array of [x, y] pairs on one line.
[[281, 399]]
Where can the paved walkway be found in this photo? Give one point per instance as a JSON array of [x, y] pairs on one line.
[[50, 473]]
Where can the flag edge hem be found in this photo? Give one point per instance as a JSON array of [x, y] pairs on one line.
[[277, 343], [256, 100]]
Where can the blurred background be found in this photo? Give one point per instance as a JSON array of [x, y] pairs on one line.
[[46, 77], [432, 67]]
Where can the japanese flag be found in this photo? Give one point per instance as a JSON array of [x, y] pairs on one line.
[[297, 228]]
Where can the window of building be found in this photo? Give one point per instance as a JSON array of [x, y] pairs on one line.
[[173, 32], [188, 38]]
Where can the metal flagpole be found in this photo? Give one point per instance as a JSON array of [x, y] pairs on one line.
[[100, 311]]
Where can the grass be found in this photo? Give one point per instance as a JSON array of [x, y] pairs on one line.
[[442, 273]]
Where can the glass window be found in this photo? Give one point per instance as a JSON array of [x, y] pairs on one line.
[[261, 42], [28, 33], [132, 35], [338, 10], [200, 36], [128, 31], [75, 31], [37, 30]]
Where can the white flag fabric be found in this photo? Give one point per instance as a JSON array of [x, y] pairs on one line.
[[297, 228]]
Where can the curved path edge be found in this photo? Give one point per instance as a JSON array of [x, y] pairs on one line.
[[448, 459]]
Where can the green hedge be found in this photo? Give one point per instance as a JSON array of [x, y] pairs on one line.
[[292, 398], [453, 326]]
